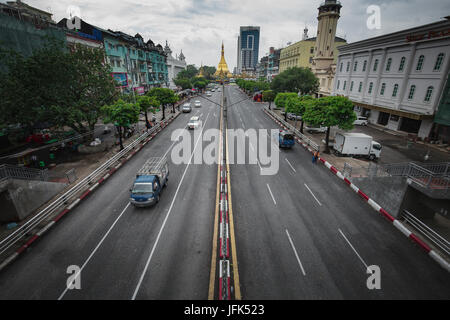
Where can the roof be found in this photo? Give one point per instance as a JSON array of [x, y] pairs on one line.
[[356, 135], [145, 179], [336, 39]]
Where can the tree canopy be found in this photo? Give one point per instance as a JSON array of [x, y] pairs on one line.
[[330, 111], [56, 85], [296, 79]]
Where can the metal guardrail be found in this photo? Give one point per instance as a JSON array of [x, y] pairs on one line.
[[432, 176], [59, 203], [14, 172], [431, 235], [297, 132]]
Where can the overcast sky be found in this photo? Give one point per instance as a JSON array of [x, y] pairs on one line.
[[199, 26]]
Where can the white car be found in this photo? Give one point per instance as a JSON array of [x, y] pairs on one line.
[[361, 121], [316, 129], [197, 104], [186, 107], [208, 93], [194, 123]]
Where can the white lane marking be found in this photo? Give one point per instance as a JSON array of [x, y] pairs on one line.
[[290, 165], [295, 252], [112, 226], [167, 216], [96, 248], [364, 263], [313, 194], [268, 187]]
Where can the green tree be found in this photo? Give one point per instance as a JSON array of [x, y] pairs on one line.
[[122, 114], [56, 85], [297, 105], [183, 83], [296, 79], [280, 101], [146, 104], [268, 96], [328, 112], [165, 96], [190, 72]]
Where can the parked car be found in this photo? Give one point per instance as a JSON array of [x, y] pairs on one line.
[[187, 107], [315, 129], [293, 116], [197, 104], [194, 123], [361, 121]]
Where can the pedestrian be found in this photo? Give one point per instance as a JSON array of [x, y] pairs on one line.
[[315, 157]]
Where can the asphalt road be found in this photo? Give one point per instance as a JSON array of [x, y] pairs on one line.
[[125, 252], [300, 234], [303, 234]]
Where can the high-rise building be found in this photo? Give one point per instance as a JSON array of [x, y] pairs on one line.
[[248, 49]]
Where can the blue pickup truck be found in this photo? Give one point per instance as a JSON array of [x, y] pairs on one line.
[[149, 182], [286, 139]]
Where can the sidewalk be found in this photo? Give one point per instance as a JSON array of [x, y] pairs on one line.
[[396, 148]]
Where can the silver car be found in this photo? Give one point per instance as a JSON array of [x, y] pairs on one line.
[[186, 107]]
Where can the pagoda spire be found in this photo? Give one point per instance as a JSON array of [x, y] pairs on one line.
[[222, 69]]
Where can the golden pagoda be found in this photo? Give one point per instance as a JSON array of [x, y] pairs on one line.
[[201, 74], [222, 70]]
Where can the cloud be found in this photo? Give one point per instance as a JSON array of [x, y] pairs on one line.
[[199, 26]]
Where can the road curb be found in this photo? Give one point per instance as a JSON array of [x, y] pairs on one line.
[[397, 224], [84, 195]]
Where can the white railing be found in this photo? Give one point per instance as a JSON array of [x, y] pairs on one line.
[[59, 203], [432, 235]]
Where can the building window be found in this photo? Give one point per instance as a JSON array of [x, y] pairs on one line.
[[383, 87], [438, 64], [388, 64], [338, 84], [411, 92], [340, 68], [428, 94], [355, 67], [394, 92], [310, 59], [364, 66], [420, 63], [345, 84], [351, 86], [370, 87], [348, 66], [311, 50], [360, 87], [375, 65], [402, 64]]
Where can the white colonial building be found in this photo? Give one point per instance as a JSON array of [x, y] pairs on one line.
[[397, 79], [174, 65]]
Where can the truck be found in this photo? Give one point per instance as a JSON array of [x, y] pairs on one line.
[[149, 182], [286, 139], [356, 145]]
